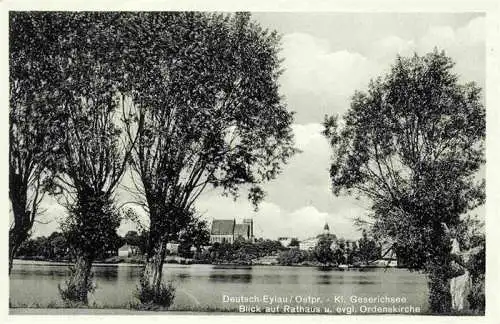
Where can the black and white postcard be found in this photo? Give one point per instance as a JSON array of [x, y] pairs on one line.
[[290, 161]]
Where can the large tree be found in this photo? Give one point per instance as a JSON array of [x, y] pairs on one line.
[[413, 144], [195, 234], [208, 113], [31, 126], [82, 75]]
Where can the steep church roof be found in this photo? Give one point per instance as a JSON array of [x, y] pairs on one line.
[[222, 227]]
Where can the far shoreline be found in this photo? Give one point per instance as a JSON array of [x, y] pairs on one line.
[[229, 265]]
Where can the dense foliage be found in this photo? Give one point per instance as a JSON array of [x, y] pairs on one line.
[[477, 268], [31, 126], [295, 256], [294, 242], [53, 247], [240, 252], [137, 239], [56, 247], [413, 143], [323, 251], [195, 235], [329, 252], [368, 250]]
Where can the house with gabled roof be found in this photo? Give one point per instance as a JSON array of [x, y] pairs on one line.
[[228, 231], [128, 250]]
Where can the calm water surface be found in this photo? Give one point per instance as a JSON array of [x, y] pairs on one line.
[[206, 285]]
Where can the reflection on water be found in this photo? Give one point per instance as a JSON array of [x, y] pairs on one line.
[[324, 279], [363, 282], [231, 273], [339, 279], [291, 279], [231, 277], [53, 272], [367, 269], [205, 285], [106, 273], [232, 266], [271, 279]]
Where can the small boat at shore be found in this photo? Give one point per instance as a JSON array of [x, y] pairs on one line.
[[343, 266]]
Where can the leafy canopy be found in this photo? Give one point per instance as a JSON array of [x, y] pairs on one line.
[[76, 81], [205, 109], [412, 143]]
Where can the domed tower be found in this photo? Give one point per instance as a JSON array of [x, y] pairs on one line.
[[326, 229]]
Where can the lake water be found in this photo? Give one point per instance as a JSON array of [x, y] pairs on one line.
[[215, 287]]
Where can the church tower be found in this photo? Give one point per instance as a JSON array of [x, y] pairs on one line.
[[326, 229]]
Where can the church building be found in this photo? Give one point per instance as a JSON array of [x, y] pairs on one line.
[[228, 231]]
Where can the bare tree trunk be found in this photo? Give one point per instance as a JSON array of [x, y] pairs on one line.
[[152, 276], [153, 294], [13, 247], [23, 217], [16, 237], [80, 282]]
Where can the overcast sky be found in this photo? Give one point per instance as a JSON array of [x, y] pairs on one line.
[[326, 57]]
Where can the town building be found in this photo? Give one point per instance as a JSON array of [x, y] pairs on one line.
[[228, 231], [128, 250], [310, 243], [285, 241], [172, 248]]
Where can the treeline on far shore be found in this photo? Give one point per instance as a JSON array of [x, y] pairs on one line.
[[55, 247], [262, 251]]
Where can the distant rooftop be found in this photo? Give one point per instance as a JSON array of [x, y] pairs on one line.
[[222, 227]]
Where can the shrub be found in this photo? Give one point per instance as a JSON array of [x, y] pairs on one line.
[[477, 268], [151, 299], [71, 294], [476, 297], [292, 256]]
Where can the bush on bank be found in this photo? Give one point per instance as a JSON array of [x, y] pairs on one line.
[[155, 300]]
